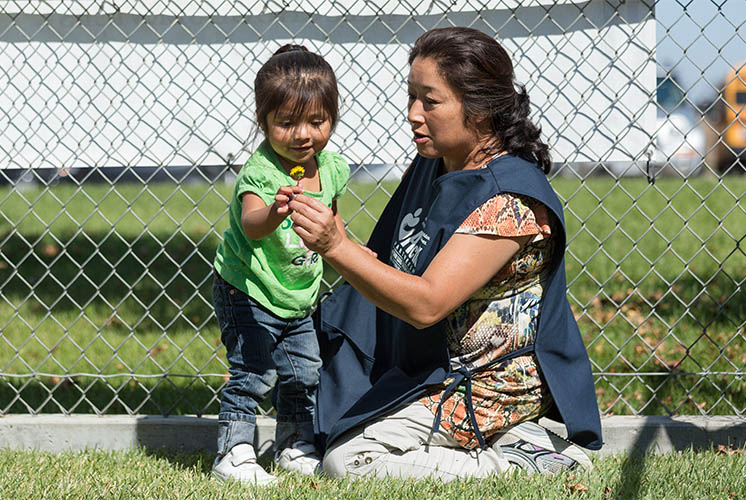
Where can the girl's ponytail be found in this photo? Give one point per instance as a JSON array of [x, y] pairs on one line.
[[290, 47]]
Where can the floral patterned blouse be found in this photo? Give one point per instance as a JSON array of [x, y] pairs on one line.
[[498, 319]]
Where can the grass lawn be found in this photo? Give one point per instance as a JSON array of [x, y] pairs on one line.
[[137, 474], [117, 280]]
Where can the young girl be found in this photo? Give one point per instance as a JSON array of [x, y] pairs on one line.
[[267, 280]]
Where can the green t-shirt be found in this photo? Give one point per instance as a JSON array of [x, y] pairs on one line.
[[278, 271]]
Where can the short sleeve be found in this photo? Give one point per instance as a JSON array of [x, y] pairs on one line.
[[340, 175], [255, 179], [508, 215]]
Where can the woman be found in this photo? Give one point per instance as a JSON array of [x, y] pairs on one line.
[[459, 335]]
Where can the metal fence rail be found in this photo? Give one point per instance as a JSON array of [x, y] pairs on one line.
[[123, 124]]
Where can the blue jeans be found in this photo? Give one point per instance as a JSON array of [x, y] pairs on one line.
[[264, 350]]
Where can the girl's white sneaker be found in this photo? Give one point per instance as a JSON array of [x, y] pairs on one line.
[[239, 464], [300, 457]]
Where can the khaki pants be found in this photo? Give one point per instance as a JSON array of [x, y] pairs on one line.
[[401, 445]]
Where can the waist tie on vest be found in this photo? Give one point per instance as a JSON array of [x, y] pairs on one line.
[[464, 374]]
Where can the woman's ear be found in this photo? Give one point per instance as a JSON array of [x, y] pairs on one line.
[[481, 125]]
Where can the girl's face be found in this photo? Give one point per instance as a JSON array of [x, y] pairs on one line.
[[296, 140], [437, 118]]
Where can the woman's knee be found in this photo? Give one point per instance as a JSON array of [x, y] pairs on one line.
[[333, 463], [356, 456]]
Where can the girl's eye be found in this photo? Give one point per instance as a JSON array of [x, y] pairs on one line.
[[285, 123], [317, 123], [430, 101]]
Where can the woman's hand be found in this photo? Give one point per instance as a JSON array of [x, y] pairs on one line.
[[316, 224], [283, 197], [259, 219]]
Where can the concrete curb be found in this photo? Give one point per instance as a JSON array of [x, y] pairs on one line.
[[79, 432]]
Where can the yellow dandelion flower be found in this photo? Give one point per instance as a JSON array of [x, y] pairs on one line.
[[297, 172]]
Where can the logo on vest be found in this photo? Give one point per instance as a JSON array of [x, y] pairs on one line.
[[411, 240]]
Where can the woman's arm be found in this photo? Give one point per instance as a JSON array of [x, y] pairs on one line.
[[461, 267], [341, 228], [337, 218], [259, 219]]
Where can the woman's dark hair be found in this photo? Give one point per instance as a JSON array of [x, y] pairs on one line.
[[479, 69], [299, 77]]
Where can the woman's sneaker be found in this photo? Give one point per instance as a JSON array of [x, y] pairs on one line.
[[300, 457], [533, 448], [240, 465]]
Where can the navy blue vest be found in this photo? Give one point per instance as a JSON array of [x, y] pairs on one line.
[[373, 362]]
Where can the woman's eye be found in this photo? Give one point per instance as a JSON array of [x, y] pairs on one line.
[[317, 123], [430, 101]]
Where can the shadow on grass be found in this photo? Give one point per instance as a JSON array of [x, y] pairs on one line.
[[86, 395], [155, 278], [199, 460], [186, 442], [682, 436], [713, 300]]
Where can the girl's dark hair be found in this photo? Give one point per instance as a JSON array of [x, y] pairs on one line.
[[299, 77], [479, 69]]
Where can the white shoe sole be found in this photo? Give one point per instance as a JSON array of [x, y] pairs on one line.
[[226, 477], [306, 470]]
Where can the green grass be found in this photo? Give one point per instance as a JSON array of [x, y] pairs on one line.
[[138, 474], [673, 303], [117, 280]]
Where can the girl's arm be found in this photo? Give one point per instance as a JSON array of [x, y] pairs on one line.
[[258, 219], [461, 267]]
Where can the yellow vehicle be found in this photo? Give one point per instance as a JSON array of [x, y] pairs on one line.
[[726, 130], [734, 94]]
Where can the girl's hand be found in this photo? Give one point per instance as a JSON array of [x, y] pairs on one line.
[[283, 197], [316, 224]]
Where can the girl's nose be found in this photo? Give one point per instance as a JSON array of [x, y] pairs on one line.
[[302, 131]]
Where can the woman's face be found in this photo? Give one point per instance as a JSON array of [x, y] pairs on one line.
[[437, 118]]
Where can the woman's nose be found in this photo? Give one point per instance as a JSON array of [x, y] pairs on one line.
[[414, 113]]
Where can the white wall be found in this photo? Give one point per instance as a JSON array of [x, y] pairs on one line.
[[169, 83]]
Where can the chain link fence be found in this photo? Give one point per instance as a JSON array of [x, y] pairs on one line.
[[123, 124]]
